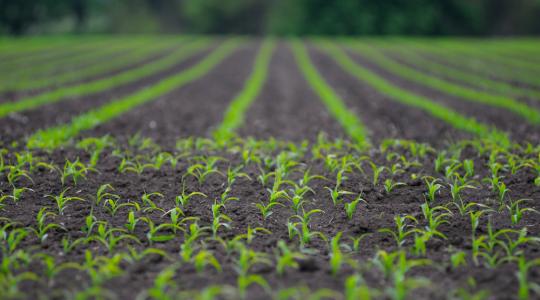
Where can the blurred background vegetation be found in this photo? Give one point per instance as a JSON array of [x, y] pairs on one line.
[[276, 17]]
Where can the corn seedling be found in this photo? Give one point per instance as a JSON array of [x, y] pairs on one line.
[[266, 210], [337, 257], [286, 258], [183, 199], [356, 288], [432, 188], [62, 200], [522, 274], [304, 232], [205, 258], [43, 228], [516, 213], [435, 217], [148, 200], [402, 230], [76, 170], [104, 193], [219, 219], [390, 185], [376, 173], [202, 170], [350, 208], [109, 237], [155, 232]]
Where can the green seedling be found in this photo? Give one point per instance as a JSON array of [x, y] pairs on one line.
[[432, 188], [43, 228], [266, 210], [376, 172], [76, 170], [62, 200], [516, 213], [183, 199], [350, 208], [390, 185], [286, 258], [402, 230]]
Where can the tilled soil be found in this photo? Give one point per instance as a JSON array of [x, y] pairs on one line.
[[516, 126], [384, 117], [10, 96], [192, 110], [287, 109], [19, 125]]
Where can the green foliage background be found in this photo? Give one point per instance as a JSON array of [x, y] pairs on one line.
[[278, 17]]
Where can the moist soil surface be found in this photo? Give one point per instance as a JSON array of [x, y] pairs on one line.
[[287, 109], [19, 125], [515, 125]]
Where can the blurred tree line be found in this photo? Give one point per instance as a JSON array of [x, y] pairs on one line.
[[279, 17]]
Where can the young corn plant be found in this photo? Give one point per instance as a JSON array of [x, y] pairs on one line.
[[266, 210], [390, 185], [62, 200], [432, 188], [183, 199], [350, 208], [522, 274], [156, 233], [435, 217], [286, 258], [16, 194], [148, 201], [135, 166], [76, 170], [303, 231], [455, 191], [205, 168], [109, 237], [376, 173], [468, 166], [336, 193], [104, 193], [403, 229], [234, 173], [219, 219], [502, 190], [205, 258], [44, 227], [516, 213], [15, 174], [395, 266], [337, 257], [248, 258], [191, 235], [224, 197], [112, 206]]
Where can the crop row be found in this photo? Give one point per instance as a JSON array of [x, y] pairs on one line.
[[99, 85], [233, 118], [80, 67], [529, 113], [195, 231]]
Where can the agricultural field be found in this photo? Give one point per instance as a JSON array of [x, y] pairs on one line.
[[198, 167]]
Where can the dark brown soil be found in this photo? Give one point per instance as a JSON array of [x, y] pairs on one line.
[[20, 125], [515, 125], [9, 96], [287, 108], [193, 110], [528, 100], [313, 272], [384, 117]]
